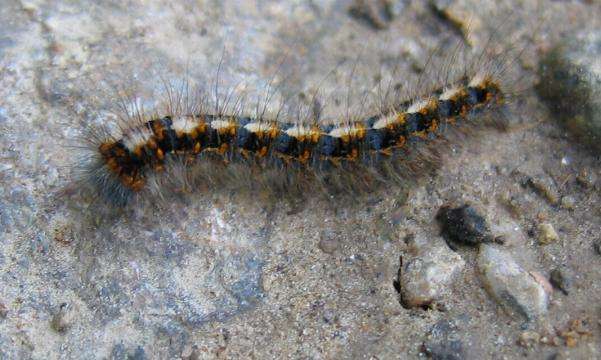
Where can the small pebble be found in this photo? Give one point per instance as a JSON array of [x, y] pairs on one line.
[[3, 311], [568, 202], [425, 278], [501, 239], [586, 178], [528, 339], [463, 225], [519, 291], [542, 281], [560, 279], [443, 342], [63, 318], [328, 242], [546, 234], [597, 246], [545, 188], [514, 204]]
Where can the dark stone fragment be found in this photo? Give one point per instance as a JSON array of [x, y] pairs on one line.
[[3, 311], [62, 319], [139, 354], [560, 279], [443, 342], [597, 247], [376, 14], [463, 225], [328, 242]]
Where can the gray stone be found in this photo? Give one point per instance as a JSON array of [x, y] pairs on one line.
[[443, 342], [529, 339], [571, 84], [568, 202], [587, 178], [561, 279], [63, 318], [328, 242], [547, 234], [425, 278], [517, 289]]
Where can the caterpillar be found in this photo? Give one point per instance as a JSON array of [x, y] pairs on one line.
[[270, 142], [191, 144]]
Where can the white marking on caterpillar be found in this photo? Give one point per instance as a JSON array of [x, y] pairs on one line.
[[418, 106], [300, 131], [386, 121], [184, 124], [450, 93], [478, 80], [256, 127], [345, 131], [222, 124], [136, 137]]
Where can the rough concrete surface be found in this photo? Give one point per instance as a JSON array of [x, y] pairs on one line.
[[222, 274]]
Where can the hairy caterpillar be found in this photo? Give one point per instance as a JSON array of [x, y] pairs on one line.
[[196, 144]]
